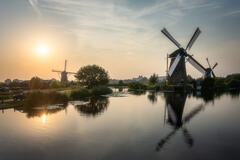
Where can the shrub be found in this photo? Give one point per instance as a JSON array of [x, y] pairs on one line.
[[80, 93], [55, 84], [233, 83], [153, 79], [36, 83], [101, 90], [137, 86]]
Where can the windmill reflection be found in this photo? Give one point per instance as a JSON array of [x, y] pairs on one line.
[[93, 107], [174, 107]]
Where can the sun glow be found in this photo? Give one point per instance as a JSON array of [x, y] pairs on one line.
[[44, 118], [42, 49]]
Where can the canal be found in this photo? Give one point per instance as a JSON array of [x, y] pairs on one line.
[[148, 125]]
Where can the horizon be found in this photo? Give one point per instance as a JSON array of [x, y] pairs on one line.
[[123, 37]]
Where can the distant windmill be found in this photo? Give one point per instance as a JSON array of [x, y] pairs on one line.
[[210, 69], [64, 73], [177, 70]]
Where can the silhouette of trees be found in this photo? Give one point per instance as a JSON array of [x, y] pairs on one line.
[[36, 83], [153, 79]]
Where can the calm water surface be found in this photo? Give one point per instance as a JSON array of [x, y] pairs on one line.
[[133, 126]]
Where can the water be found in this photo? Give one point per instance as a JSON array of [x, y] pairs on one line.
[[131, 126]]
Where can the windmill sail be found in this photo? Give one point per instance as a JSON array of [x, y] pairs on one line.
[[55, 70], [193, 39], [172, 114], [174, 65], [197, 65], [213, 74], [167, 34], [215, 65]]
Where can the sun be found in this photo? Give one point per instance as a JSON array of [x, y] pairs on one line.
[[42, 49]]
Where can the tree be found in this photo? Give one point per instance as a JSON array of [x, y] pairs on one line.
[[36, 83], [120, 83], [55, 84], [153, 79], [92, 76]]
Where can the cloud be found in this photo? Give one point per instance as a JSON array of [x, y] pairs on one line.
[[114, 27], [34, 4], [232, 13]]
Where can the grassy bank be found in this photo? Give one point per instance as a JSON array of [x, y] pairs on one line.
[[84, 92]]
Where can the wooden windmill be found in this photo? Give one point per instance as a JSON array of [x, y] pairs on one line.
[[177, 69], [64, 73]]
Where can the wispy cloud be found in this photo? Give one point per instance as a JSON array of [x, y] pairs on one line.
[[34, 4], [232, 13], [121, 26]]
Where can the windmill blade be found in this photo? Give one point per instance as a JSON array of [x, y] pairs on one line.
[[71, 73], [167, 34], [56, 71], [174, 65], [193, 39], [213, 74], [195, 64], [193, 113], [164, 140], [214, 66], [187, 137], [208, 63], [172, 114]]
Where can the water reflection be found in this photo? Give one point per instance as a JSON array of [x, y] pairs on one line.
[[152, 97], [138, 93], [44, 118], [210, 96], [175, 103], [93, 107], [38, 104], [43, 110]]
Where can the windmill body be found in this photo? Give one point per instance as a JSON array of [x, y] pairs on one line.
[[64, 73], [179, 76], [64, 76]]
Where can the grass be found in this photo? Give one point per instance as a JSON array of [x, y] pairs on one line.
[[12, 104], [83, 92]]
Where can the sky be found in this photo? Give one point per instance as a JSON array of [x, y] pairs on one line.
[[122, 36]]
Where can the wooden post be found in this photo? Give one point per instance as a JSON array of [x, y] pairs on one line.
[[167, 70]]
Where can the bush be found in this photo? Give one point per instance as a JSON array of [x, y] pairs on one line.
[[233, 83], [55, 84], [219, 83], [153, 79], [102, 90], [36, 83], [83, 92], [80, 93], [208, 83], [137, 86]]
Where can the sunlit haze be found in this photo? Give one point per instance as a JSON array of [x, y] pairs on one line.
[[122, 36]]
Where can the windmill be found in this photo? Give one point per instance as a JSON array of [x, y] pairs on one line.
[[210, 69], [175, 106], [64, 73], [177, 69]]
